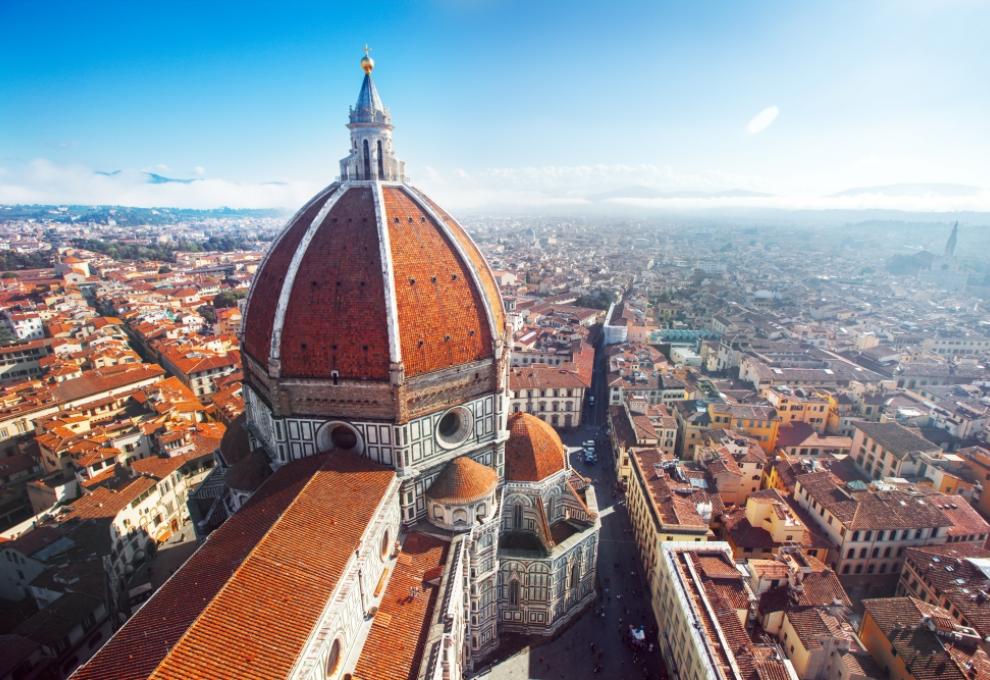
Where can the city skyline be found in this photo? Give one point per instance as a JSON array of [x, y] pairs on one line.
[[652, 108]]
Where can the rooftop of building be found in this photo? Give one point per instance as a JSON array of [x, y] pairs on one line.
[[237, 606]]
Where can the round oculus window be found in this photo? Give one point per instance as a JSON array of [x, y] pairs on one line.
[[343, 437], [454, 427], [339, 436]]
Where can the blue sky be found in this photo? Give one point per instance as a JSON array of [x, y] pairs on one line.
[[529, 103]]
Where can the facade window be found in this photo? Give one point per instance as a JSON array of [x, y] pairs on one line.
[[514, 593], [386, 544], [334, 657], [517, 516]]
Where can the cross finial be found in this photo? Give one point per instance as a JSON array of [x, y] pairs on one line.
[[367, 63]]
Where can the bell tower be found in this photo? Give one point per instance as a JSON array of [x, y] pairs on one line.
[[371, 156]]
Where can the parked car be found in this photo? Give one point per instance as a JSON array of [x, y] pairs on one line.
[[589, 444]]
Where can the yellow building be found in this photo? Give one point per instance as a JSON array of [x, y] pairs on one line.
[[760, 422], [767, 524], [800, 405], [912, 640], [977, 461]]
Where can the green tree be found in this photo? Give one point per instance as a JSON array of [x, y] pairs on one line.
[[227, 298], [7, 336], [598, 299]]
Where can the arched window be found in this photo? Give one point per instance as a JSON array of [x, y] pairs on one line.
[[386, 544], [460, 516], [381, 161], [575, 574], [514, 593], [517, 516], [333, 659], [367, 161]]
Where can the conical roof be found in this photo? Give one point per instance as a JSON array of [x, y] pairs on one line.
[[463, 480], [369, 107]]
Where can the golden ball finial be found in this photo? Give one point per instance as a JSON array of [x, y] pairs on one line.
[[367, 63]]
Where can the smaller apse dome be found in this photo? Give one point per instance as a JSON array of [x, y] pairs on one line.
[[534, 450], [463, 480]]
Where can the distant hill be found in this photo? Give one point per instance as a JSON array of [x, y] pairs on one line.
[[912, 190], [650, 192], [124, 215]]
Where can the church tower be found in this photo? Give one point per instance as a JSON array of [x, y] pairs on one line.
[[950, 245]]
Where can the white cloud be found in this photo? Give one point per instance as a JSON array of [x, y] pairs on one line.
[[762, 120], [199, 170], [42, 181], [658, 187], [601, 187]]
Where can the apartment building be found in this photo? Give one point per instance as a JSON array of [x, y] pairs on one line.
[[760, 422], [702, 602], [889, 449], [870, 526], [769, 524], [954, 577], [817, 408], [554, 395], [912, 640], [664, 505]]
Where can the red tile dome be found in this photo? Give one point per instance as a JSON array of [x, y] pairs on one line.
[[463, 480], [368, 276], [534, 450]]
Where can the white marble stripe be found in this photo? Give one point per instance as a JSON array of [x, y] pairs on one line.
[[391, 305], [290, 278]]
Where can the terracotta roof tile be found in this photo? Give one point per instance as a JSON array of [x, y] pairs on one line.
[[394, 647], [442, 322], [260, 311], [534, 450], [477, 261], [463, 480], [336, 316], [246, 602]]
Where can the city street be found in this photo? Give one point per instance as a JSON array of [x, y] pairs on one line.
[[596, 640]]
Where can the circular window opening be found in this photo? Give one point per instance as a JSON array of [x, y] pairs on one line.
[[343, 437], [338, 436], [333, 658], [386, 540], [454, 427]]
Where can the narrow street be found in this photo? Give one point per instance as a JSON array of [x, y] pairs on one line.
[[622, 597]]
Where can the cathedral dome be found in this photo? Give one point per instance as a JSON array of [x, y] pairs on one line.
[[371, 280], [534, 450], [463, 480]]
